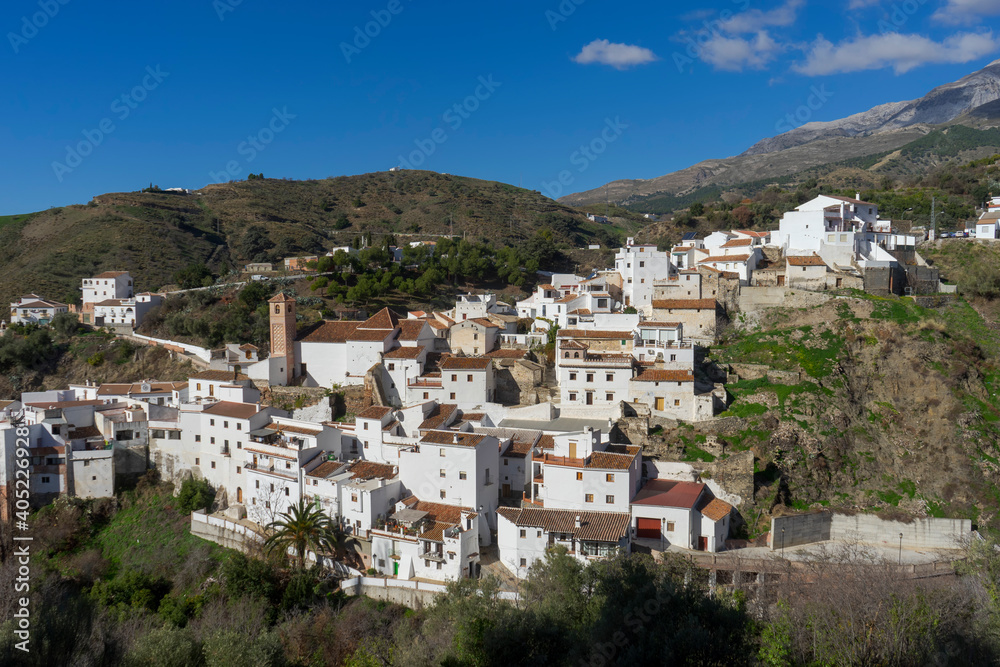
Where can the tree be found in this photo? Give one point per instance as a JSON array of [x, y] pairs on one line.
[[303, 527], [65, 324], [195, 494], [743, 215], [697, 209]]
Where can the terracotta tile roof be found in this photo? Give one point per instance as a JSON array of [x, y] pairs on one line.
[[110, 274], [724, 258], [570, 344], [684, 304], [325, 469], [411, 329], [814, 260], [370, 335], [658, 325], [484, 322], [594, 526], [581, 311], [547, 287], [440, 326], [452, 438], [330, 332], [280, 297], [611, 460], [547, 442], [42, 304], [404, 353], [653, 375], [737, 243], [438, 417], [291, 428], [106, 302], [593, 333], [714, 509], [756, 235], [372, 470], [84, 432], [374, 412], [465, 363], [568, 298], [248, 346], [450, 514], [669, 493], [219, 376], [234, 410], [507, 354]]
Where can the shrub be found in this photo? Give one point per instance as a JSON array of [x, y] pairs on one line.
[[235, 649], [166, 647], [96, 359], [196, 494], [242, 575]]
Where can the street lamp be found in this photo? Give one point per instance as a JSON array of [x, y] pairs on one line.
[[782, 542]]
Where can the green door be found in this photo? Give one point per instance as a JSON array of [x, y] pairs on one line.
[[395, 568]]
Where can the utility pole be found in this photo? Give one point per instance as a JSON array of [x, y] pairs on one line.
[[934, 217]]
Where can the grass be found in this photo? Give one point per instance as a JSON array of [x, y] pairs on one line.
[[791, 349]]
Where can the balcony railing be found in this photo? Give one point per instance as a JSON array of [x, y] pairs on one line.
[[271, 470]]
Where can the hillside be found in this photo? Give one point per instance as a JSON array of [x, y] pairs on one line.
[[154, 234], [951, 123]]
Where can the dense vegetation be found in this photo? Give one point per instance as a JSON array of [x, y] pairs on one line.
[[122, 581]]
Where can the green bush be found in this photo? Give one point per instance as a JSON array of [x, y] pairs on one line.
[[242, 575], [196, 494], [96, 359], [166, 647], [235, 649]]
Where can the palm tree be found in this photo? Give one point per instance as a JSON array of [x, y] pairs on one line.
[[304, 527]]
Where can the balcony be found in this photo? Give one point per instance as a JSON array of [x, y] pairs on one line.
[[560, 460], [666, 344], [433, 556], [271, 470]]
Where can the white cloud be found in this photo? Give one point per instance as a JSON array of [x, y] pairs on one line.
[[755, 20], [862, 4], [901, 52], [733, 54], [619, 56], [967, 11]]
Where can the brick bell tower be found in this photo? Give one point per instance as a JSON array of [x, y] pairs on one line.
[[283, 333]]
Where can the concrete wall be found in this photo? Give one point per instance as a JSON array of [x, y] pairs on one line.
[[866, 528], [412, 594], [754, 298]]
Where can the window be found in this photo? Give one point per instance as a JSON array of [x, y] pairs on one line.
[[468, 378], [642, 264], [225, 424], [212, 440], [610, 477], [462, 475], [197, 461], [454, 377], [572, 376], [211, 422], [590, 377], [86, 463], [609, 377], [213, 465], [524, 562], [288, 465], [452, 394], [426, 395], [524, 533], [197, 438], [443, 494], [45, 480], [239, 470], [198, 387], [538, 533], [257, 482], [365, 427], [673, 357], [609, 397], [442, 473], [392, 367], [677, 402], [239, 426], [589, 498], [239, 445], [475, 336], [670, 526], [609, 500], [354, 497], [579, 476], [572, 397], [441, 451]]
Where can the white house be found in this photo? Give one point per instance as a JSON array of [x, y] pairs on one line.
[[684, 514], [988, 225], [33, 309], [524, 535], [125, 312], [639, 266]]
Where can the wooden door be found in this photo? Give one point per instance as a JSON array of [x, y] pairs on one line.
[[781, 281], [572, 448], [239, 495], [506, 490], [659, 404], [590, 398], [702, 543]]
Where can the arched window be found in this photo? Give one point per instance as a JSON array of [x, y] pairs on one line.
[[277, 309], [576, 355]]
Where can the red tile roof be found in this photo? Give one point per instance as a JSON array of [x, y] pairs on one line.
[[404, 353], [813, 260], [484, 322], [653, 375], [507, 354], [325, 469], [110, 274], [220, 376], [669, 493], [714, 509], [331, 332], [611, 460], [234, 410], [452, 438], [372, 470], [450, 514], [737, 243], [466, 363], [411, 329], [724, 258], [374, 412], [438, 417], [594, 526], [684, 304]]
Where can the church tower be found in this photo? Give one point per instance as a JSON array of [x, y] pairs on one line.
[[283, 334]]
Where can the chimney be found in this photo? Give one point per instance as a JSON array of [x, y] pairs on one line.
[[577, 520], [455, 438]]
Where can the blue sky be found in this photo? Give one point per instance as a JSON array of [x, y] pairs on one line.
[[113, 96]]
